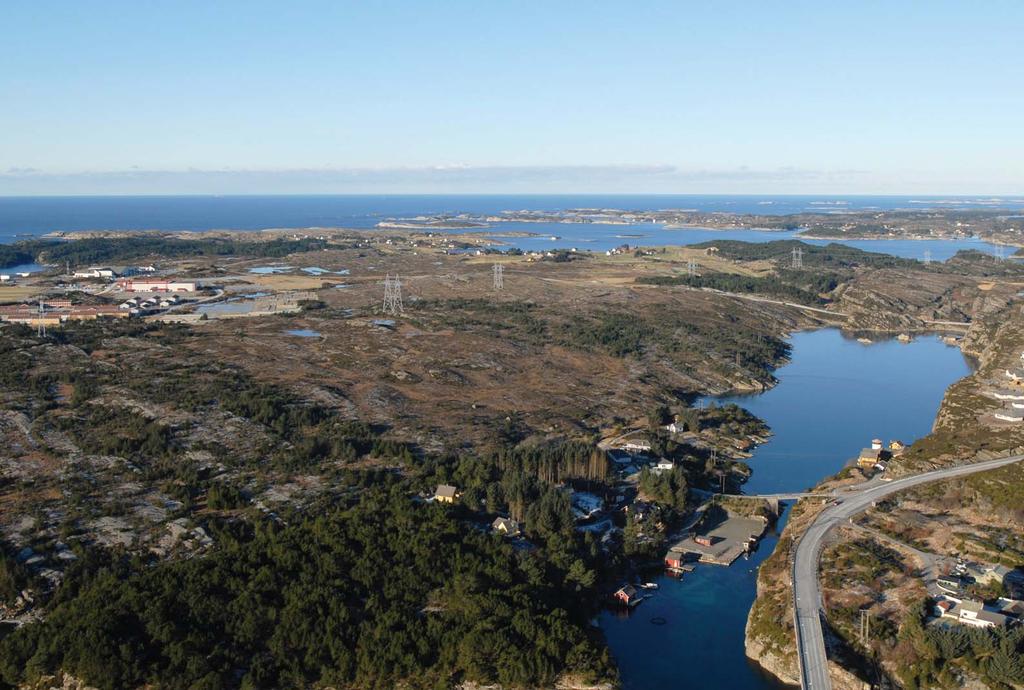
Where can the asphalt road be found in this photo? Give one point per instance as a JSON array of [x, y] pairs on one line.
[[807, 602]]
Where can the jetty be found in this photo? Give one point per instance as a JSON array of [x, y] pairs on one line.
[[720, 540]]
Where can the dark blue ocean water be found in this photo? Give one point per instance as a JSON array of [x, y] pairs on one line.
[[31, 216], [832, 399], [838, 394]]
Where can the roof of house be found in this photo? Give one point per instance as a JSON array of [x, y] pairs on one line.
[[628, 590], [507, 523], [446, 491], [991, 617], [872, 453], [1011, 607], [971, 605]]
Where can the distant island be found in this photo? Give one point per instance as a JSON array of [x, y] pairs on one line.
[[1000, 226]]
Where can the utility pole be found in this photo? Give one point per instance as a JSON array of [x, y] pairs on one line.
[[393, 295], [798, 257], [865, 623], [499, 276]]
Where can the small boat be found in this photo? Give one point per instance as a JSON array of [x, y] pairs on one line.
[[864, 341], [649, 585]]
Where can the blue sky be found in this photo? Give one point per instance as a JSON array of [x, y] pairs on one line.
[[482, 96]]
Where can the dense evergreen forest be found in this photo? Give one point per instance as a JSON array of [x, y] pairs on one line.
[[384, 592], [833, 255], [94, 250]]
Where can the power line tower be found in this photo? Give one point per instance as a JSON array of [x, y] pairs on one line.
[[691, 268], [798, 257], [393, 295], [41, 329], [499, 276], [927, 257], [998, 252], [865, 626]]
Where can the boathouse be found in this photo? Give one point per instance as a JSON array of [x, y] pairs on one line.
[[627, 595]]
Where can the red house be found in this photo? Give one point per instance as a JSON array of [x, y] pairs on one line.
[[675, 560], [627, 595]]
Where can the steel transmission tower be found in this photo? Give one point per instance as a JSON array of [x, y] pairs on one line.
[[499, 276], [798, 257], [691, 268], [927, 256], [393, 295], [41, 330]]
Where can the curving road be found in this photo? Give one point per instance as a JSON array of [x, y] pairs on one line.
[[807, 602]]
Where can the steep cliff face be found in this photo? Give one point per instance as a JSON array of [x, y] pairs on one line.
[[769, 637], [844, 680], [779, 665]]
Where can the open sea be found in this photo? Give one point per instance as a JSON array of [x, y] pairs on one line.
[[26, 217]]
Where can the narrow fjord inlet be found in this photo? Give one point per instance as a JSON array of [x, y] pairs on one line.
[[834, 396]]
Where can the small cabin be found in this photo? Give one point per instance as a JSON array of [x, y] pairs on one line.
[[445, 493], [869, 456], [505, 526], [627, 595], [675, 560]]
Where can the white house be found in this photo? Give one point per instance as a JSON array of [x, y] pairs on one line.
[[157, 286], [95, 272], [974, 613]]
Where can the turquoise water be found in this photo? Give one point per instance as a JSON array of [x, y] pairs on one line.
[[832, 399], [303, 333]]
